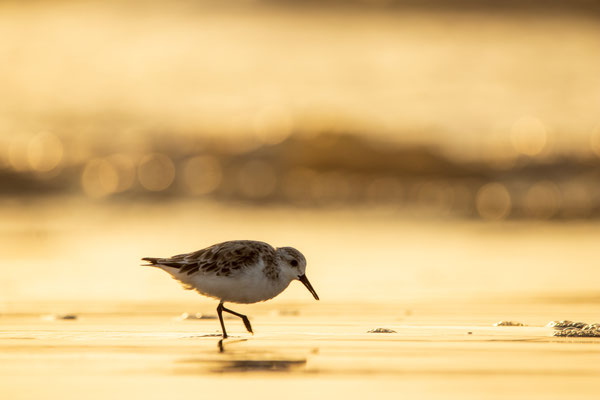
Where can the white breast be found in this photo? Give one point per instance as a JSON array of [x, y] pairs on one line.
[[249, 285]]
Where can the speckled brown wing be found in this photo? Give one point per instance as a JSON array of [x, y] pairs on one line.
[[222, 259]]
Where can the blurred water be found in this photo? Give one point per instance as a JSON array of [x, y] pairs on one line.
[[468, 80]]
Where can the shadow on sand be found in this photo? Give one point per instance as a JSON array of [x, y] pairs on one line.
[[236, 360]]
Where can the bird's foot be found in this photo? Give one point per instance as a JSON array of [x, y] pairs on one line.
[[247, 324]]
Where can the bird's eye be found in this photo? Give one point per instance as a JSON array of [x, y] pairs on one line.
[[294, 263]]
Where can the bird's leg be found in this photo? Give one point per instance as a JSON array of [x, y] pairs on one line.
[[242, 316], [220, 309]]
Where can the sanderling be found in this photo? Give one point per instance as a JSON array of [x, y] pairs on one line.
[[239, 271]]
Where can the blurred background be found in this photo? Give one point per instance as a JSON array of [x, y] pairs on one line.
[[411, 149]]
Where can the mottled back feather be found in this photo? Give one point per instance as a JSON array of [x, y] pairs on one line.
[[222, 259]]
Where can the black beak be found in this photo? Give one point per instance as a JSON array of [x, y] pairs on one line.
[[304, 279]]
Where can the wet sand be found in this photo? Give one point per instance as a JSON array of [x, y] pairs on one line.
[[301, 351]]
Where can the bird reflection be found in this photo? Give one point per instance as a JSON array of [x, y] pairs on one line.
[[221, 343]]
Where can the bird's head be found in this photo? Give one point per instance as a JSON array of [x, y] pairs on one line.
[[293, 266]]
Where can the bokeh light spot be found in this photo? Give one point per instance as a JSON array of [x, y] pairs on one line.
[[529, 136], [493, 201], [44, 152], [435, 196], [202, 174], [542, 200], [99, 178], [577, 200], [257, 179], [384, 190], [125, 168], [297, 185], [156, 172], [272, 125], [331, 187]]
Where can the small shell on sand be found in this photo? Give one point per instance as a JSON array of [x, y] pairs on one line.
[[288, 313], [574, 332], [566, 324], [574, 329], [381, 330], [508, 323], [59, 317]]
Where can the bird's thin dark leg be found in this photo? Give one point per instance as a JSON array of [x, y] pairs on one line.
[[220, 309], [242, 316]]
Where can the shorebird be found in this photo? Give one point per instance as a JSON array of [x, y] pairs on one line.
[[239, 271]]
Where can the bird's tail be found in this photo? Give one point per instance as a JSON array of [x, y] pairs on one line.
[[152, 260], [161, 262]]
